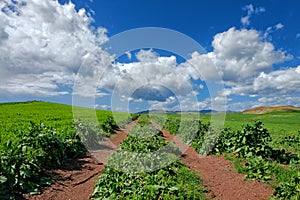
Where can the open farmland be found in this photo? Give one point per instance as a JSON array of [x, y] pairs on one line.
[[280, 124], [265, 147], [38, 136], [158, 100]]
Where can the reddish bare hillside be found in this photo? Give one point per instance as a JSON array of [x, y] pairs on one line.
[[268, 109]]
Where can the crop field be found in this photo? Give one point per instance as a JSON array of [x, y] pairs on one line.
[[39, 135], [138, 177], [281, 125], [36, 136], [269, 156]]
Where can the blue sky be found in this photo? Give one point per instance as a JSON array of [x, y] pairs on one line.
[[200, 20], [251, 58]]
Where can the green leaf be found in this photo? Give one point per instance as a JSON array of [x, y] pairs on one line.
[[3, 179], [173, 188], [35, 192]]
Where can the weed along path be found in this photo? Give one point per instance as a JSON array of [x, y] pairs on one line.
[[76, 179], [218, 174]]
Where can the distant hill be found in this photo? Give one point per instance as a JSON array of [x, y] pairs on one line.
[[157, 112], [268, 109], [178, 112], [201, 111]]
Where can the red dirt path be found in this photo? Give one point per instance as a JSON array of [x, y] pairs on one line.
[[219, 176], [76, 179]]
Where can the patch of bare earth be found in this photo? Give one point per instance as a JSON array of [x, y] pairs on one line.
[[75, 180], [268, 109], [219, 176]]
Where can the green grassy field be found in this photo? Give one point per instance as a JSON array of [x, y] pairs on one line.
[[279, 124], [282, 123], [58, 116]]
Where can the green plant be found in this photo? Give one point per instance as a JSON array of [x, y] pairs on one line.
[[172, 125], [144, 120], [251, 141], [20, 169], [134, 116], [90, 133], [258, 169], [139, 170], [39, 136], [172, 182], [188, 130], [109, 125], [289, 189], [22, 160], [28, 147], [291, 142]]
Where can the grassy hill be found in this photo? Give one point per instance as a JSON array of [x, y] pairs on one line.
[[269, 109], [17, 114]]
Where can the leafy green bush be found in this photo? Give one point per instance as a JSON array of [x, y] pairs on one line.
[[144, 131], [172, 182], [143, 145], [250, 141], [134, 116], [90, 133], [188, 130], [290, 189], [132, 172], [291, 142], [109, 125], [258, 169], [143, 150], [20, 169], [22, 160], [144, 120], [172, 125], [38, 136]]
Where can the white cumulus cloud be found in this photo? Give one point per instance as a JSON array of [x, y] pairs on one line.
[[239, 56], [153, 77], [279, 87], [285, 81], [245, 61], [43, 44]]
